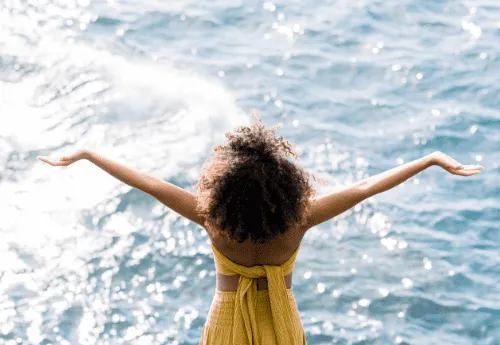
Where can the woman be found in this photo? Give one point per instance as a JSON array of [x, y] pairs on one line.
[[256, 207]]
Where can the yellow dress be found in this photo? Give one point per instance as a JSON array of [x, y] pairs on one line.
[[254, 317]]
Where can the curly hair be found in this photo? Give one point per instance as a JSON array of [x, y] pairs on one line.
[[248, 188]]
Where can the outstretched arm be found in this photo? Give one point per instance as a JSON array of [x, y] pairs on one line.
[[328, 206], [172, 196]]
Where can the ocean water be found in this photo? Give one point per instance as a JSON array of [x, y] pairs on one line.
[[360, 86]]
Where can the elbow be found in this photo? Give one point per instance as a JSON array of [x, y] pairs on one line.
[[149, 186]]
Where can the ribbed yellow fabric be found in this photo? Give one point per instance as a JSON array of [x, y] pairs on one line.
[[244, 323]]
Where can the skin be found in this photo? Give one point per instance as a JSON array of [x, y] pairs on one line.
[[323, 208]]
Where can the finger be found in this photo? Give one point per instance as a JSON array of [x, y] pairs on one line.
[[46, 160], [51, 162], [468, 168], [470, 173], [474, 166], [466, 172]]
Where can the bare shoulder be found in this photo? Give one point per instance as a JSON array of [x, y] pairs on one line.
[[310, 216]]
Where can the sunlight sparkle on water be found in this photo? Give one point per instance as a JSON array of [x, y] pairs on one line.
[[155, 84], [472, 28], [269, 6], [364, 302], [383, 292], [427, 264], [407, 283]]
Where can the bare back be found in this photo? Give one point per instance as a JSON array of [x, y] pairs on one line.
[[248, 254]]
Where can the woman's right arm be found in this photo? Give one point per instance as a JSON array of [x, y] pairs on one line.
[[330, 205], [176, 198]]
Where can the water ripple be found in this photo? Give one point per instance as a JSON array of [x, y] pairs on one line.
[[359, 86]]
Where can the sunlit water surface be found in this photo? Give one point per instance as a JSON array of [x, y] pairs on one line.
[[360, 86]]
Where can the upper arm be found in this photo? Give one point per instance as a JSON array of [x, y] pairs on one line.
[[176, 198], [330, 205]]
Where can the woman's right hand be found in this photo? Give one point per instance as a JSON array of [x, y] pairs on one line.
[[66, 160], [452, 166]]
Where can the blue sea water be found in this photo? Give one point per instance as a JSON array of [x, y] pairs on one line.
[[360, 86]]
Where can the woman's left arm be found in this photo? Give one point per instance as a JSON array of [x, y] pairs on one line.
[[172, 196], [331, 205]]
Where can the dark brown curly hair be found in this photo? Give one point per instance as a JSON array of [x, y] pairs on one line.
[[248, 188]]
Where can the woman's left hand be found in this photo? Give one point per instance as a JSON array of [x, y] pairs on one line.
[[452, 166]]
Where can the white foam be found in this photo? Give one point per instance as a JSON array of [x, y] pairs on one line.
[[152, 116]]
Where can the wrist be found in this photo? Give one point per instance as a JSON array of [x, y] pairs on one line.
[[86, 154], [430, 159]]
